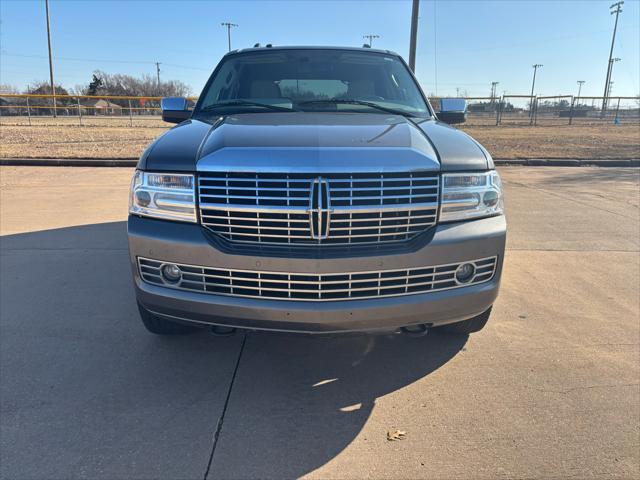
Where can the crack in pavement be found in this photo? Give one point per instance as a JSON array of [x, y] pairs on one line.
[[216, 435], [587, 387]]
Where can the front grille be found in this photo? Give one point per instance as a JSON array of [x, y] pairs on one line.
[[334, 209], [316, 287]]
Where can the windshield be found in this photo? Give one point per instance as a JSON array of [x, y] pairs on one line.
[[313, 80]]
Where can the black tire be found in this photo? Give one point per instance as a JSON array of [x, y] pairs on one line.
[[160, 326], [466, 327]]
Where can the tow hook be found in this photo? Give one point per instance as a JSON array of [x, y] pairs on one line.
[[222, 331], [419, 330]]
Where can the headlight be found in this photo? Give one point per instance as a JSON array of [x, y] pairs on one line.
[[169, 196], [470, 195]]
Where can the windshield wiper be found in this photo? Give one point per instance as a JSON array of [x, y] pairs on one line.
[[348, 101], [246, 103]]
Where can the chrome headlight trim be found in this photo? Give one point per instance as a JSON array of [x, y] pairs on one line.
[[167, 196], [471, 195]]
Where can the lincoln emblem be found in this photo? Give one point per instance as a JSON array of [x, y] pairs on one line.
[[319, 208]]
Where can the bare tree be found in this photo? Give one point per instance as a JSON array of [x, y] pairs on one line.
[[146, 86]]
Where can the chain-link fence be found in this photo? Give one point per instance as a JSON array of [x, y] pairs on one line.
[[521, 110], [32, 109]]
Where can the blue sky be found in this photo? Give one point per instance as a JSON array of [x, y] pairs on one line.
[[461, 44]]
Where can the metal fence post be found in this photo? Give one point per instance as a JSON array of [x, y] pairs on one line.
[[617, 110], [79, 110], [130, 115], [573, 99], [532, 110], [28, 111]]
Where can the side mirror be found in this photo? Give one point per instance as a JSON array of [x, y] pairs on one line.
[[175, 109], [453, 110]]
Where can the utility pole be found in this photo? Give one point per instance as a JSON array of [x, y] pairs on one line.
[[580, 83], [608, 92], [53, 87], [229, 25], [371, 37], [414, 35], [493, 90], [158, 73], [616, 8], [533, 85]]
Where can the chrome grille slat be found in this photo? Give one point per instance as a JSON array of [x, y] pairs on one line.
[[274, 208], [316, 287]]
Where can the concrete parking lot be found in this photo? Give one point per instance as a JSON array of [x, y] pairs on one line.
[[550, 388]]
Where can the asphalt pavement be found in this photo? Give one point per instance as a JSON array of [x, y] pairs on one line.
[[550, 388]]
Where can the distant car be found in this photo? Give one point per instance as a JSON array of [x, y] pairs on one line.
[[314, 190]]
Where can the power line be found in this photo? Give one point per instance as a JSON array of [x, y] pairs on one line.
[[101, 60]]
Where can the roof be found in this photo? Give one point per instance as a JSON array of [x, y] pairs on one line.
[[312, 47], [99, 102]]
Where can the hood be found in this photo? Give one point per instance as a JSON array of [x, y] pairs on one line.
[[313, 142], [457, 150]]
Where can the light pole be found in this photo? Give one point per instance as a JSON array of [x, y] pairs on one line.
[[53, 87], [616, 8], [414, 35], [371, 37], [229, 25], [533, 85]]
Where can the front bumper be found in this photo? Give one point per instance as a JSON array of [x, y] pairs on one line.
[[188, 244]]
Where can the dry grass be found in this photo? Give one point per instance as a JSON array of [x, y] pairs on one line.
[[106, 138], [567, 141], [75, 142]]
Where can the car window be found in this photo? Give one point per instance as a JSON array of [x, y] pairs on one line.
[[297, 76], [312, 89]]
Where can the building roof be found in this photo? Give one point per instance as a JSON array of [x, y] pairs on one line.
[[99, 102]]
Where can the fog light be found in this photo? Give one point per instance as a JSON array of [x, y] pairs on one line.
[[171, 273], [143, 198], [465, 272], [490, 198]]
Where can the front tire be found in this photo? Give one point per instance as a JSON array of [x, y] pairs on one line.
[[466, 327], [160, 326]]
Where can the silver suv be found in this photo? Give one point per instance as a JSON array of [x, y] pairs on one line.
[[314, 190]]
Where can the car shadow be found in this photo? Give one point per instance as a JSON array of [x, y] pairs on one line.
[[125, 403], [298, 401]]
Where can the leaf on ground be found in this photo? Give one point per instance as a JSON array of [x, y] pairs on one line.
[[393, 435]]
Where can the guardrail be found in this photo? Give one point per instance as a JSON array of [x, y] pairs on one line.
[[525, 110]]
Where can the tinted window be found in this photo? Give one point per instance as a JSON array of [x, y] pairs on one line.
[[291, 77]]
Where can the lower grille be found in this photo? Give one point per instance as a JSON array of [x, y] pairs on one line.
[[316, 287]]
